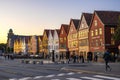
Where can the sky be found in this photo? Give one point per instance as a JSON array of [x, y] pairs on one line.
[[31, 17]]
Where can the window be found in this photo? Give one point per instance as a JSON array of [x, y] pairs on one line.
[[64, 38], [92, 34], [112, 30], [100, 42], [95, 22], [100, 31], [112, 41], [61, 39], [62, 32], [72, 30], [96, 42], [82, 25], [96, 32]]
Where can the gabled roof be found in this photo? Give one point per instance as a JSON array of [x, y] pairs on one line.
[[75, 22], [108, 17], [41, 37], [52, 32], [88, 17], [66, 27], [58, 31], [47, 32]]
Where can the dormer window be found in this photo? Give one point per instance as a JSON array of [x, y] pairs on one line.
[[95, 22]]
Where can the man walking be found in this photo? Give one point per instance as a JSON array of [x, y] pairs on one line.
[[106, 57]]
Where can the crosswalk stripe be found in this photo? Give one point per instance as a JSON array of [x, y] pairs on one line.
[[71, 73], [49, 76], [106, 77], [26, 78], [37, 77], [90, 78], [13, 79], [55, 79], [62, 74], [73, 79]]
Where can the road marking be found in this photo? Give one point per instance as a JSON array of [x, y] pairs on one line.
[[106, 77], [55, 79], [37, 77], [90, 78], [71, 73], [26, 78], [49, 76], [13, 79], [79, 72], [73, 79], [62, 74]]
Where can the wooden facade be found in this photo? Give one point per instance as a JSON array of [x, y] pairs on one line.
[[83, 42], [101, 30], [63, 41], [72, 37]]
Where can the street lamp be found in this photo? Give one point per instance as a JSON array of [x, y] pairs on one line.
[[53, 57]]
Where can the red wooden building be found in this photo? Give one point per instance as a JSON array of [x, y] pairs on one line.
[[101, 30]]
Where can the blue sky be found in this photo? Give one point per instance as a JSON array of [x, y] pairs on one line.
[[31, 17]]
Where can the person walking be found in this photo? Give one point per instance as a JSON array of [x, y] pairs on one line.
[[106, 57]]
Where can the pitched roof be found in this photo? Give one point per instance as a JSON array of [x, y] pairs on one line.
[[47, 32], [66, 27], [58, 31], [88, 17], [41, 37], [108, 17], [76, 22], [52, 32]]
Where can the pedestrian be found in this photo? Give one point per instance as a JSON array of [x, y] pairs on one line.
[[95, 57], [106, 57], [82, 59]]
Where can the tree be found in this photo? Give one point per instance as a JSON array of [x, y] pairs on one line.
[[117, 31], [3, 47]]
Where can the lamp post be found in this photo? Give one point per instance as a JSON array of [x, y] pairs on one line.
[[53, 56]]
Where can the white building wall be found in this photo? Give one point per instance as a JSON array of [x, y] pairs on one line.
[[56, 43]]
